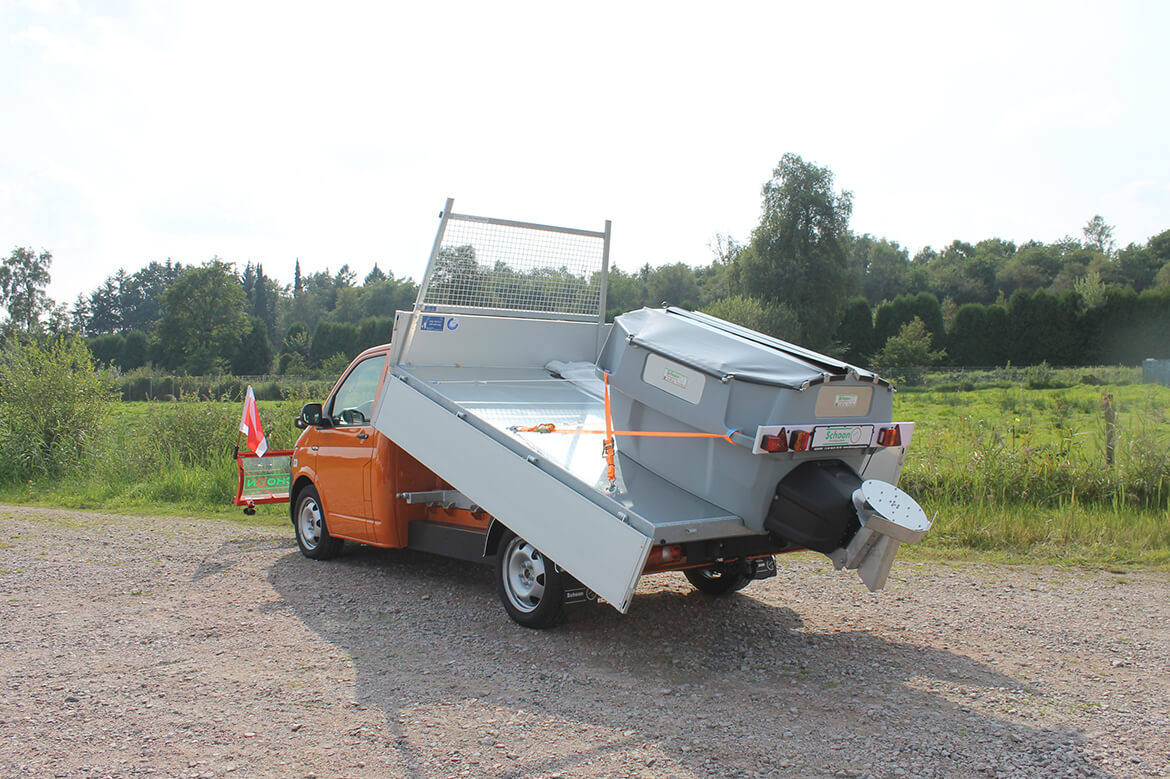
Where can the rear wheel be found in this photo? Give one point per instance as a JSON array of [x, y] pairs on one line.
[[714, 581], [312, 534], [530, 586]]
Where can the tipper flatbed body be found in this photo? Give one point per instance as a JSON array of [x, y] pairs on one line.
[[508, 420]]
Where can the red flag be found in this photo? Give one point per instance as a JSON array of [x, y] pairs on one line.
[[250, 425]]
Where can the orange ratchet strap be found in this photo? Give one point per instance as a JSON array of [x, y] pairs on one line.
[[607, 447], [609, 432], [549, 427]]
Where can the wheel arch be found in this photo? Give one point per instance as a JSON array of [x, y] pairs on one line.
[[491, 542], [295, 493]]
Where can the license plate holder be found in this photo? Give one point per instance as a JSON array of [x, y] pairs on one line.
[[842, 437]]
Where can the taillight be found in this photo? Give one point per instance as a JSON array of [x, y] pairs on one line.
[[890, 436], [800, 440], [661, 555], [775, 443]]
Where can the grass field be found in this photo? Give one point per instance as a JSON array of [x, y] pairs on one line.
[[1023, 474], [1015, 474]]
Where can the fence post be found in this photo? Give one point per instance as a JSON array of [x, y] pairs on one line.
[[1110, 428]]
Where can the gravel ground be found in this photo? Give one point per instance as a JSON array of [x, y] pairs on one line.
[[187, 647]]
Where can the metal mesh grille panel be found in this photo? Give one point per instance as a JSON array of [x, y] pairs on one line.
[[485, 264]]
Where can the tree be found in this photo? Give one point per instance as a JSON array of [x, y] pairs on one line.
[[893, 314], [54, 405], [294, 350], [254, 355], [143, 299], [908, 353], [673, 285], [797, 253], [374, 331], [1138, 266], [79, 316], [712, 282], [105, 309], [106, 348], [1099, 236], [23, 278], [204, 319], [626, 293], [135, 350], [333, 338], [774, 319], [884, 265], [1090, 291], [856, 331], [385, 296], [967, 339], [130, 302]]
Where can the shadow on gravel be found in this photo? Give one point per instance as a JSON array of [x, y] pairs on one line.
[[720, 686], [227, 555]]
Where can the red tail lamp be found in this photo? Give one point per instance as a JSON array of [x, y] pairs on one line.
[[890, 436], [661, 555], [775, 443], [800, 440]]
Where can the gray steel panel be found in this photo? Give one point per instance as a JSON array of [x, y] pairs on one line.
[[592, 544], [471, 340]]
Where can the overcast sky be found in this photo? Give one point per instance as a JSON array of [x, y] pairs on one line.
[[333, 132]]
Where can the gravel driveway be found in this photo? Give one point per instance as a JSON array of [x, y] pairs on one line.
[[138, 646]]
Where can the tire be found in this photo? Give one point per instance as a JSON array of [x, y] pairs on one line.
[[715, 582], [530, 585], [309, 522]]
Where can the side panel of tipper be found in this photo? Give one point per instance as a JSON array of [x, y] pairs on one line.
[[582, 534]]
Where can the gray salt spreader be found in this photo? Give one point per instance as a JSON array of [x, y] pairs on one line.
[[729, 446]]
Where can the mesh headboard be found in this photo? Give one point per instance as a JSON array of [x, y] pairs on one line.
[[496, 266]]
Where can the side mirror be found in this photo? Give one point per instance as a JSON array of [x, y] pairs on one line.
[[310, 416]]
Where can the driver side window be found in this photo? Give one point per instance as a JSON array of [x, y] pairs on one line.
[[353, 404]]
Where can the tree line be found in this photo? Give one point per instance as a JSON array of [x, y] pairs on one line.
[[802, 275]]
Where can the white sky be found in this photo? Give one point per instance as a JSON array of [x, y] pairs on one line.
[[333, 132]]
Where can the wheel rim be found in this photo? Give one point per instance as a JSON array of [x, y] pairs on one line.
[[309, 523], [524, 575]]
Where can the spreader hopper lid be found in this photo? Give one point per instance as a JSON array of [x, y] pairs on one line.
[[727, 351]]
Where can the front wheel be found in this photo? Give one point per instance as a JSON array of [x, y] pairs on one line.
[[312, 534], [717, 582], [530, 586]]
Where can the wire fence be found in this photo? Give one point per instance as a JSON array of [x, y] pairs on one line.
[[493, 264]]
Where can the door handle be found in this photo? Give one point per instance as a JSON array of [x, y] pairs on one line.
[[363, 436], [313, 447]]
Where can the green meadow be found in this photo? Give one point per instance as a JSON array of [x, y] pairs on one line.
[[1023, 474]]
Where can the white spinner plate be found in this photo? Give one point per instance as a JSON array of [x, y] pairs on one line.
[[895, 505]]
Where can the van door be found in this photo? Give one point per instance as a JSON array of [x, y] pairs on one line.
[[345, 451]]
